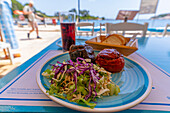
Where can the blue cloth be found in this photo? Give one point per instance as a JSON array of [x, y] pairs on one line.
[[6, 22]]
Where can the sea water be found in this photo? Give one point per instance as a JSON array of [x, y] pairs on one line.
[[154, 25]]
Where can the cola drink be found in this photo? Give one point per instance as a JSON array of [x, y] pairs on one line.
[[68, 35]]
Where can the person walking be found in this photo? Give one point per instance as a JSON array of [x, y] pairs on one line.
[[29, 11]]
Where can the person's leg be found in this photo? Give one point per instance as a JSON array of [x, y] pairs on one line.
[[36, 27], [32, 26]]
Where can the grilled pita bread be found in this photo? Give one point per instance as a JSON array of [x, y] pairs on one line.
[[115, 39]]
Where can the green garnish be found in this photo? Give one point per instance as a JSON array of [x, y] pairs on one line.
[[80, 82]]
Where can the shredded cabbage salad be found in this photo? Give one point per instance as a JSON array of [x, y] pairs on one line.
[[80, 82]]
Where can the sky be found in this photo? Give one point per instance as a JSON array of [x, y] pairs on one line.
[[102, 8]]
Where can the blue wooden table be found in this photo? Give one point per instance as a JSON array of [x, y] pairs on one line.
[[155, 49]]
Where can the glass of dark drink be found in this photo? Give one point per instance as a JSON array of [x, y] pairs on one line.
[[67, 22]]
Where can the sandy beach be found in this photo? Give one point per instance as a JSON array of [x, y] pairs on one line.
[[29, 47]]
